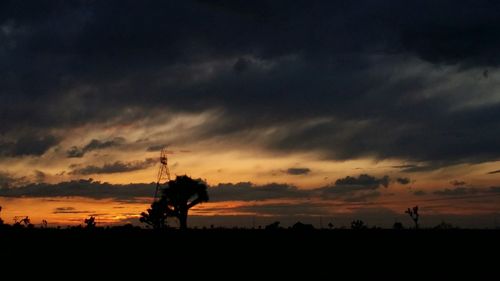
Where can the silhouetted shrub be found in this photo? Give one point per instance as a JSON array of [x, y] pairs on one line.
[[156, 216], [302, 226], [273, 226], [444, 226], [358, 224], [90, 222], [398, 226]]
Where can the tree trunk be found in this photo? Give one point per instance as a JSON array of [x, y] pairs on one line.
[[183, 220]]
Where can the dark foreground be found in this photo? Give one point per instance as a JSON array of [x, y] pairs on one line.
[[377, 252]]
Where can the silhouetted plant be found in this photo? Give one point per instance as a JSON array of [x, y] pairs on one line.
[[397, 226], [330, 225], [444, 225], [1, 221], [177, 199], [358, 224], [273, 226], [44, 224], [156, 216], [22, 222], [90, 222], [414, 215]]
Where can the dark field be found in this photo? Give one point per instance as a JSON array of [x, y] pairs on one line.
[[287, 251]]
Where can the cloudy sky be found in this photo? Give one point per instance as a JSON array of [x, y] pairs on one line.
[[288, 109]]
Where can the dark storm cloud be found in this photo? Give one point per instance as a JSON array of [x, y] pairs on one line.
[[264, 64], [116, 167], [298, 171], [27, 146], [81, 188], [94, 189], [77, 152], [243, 191]]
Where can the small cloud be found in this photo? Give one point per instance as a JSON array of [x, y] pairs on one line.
[[39, 176], [410, 168], [403, 181], [493, 172], [404, 166], [157, 147], [419, 193], [298, 171], [457, 183], [363, 180], [242, 64], [457, 191], [68, 210]]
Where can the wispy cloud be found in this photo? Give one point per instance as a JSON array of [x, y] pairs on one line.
[[116, 167], [77, 152]]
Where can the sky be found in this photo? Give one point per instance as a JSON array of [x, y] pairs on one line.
[[319, 111]]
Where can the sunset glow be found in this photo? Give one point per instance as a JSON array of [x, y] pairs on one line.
[[315, 112]]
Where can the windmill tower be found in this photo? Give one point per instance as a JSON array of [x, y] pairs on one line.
[[163, 171]]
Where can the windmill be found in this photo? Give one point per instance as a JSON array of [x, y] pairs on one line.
[[163, 171]]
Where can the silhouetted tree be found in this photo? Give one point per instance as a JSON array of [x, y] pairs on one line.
[[155, 216], [358, 224], [177, 199], [90, 222], [330, 225], [414, 215], [1, 221]]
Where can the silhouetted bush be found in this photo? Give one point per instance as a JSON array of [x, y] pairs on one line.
[[358, 224], [398, 226], [90, 222], [273, 226], [302, 226], [156, 216], [444, 226]]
